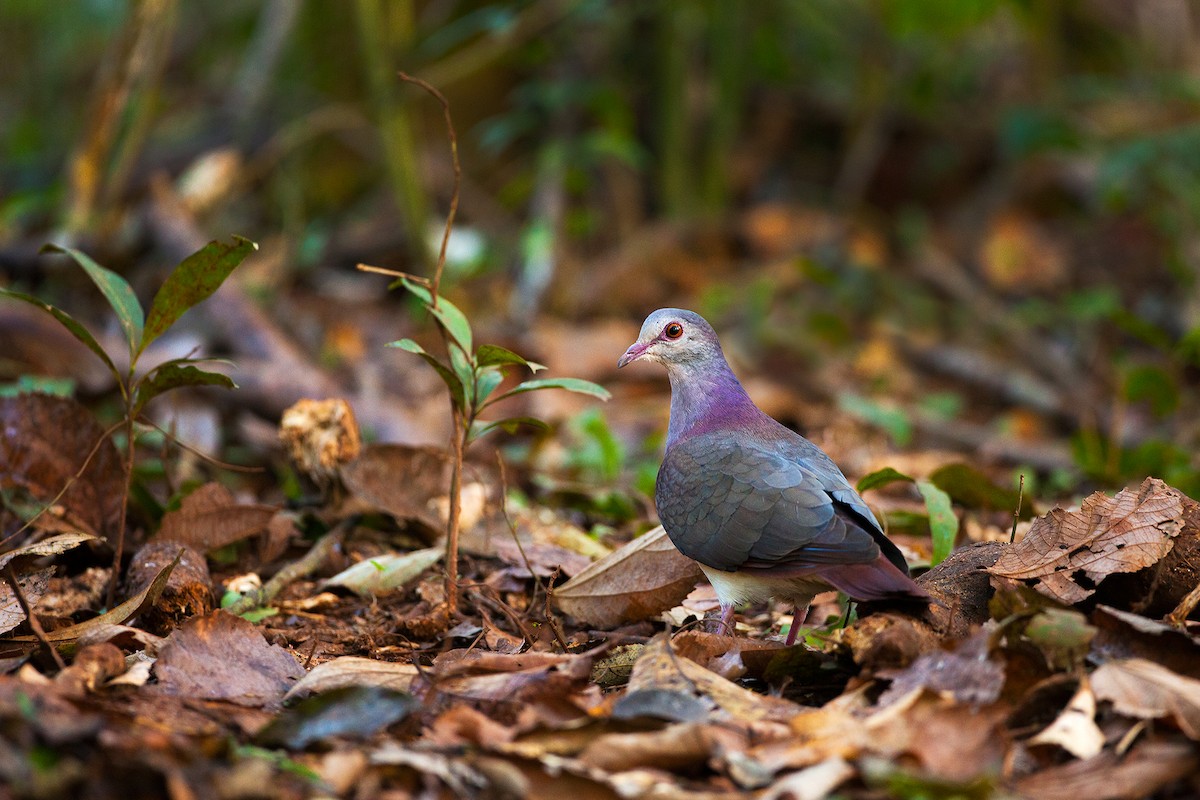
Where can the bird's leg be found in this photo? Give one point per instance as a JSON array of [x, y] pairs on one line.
[[799, 614], [725, 624]]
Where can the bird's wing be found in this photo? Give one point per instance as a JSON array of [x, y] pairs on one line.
[[741, 505]]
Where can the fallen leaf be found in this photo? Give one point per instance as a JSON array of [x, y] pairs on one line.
[[811, 783], [50, 546], [1140, 773], [641, 579], [385, 573], [681, 746], [353, 711], [661, 669], [400, 480], [94, 665], [45, 442], [224, 657], [354, 671], [1066, 554], [210, 518], [121, 614], [1123, 634], [33, 586], [1145, 690], [1075, 729], [966, 674]]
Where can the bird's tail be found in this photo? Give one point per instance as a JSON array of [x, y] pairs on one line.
[[875, 580]]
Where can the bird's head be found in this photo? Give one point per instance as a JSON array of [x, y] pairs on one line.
[[674, 337]]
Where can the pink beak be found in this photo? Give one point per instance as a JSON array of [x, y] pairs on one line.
[[635, 351]]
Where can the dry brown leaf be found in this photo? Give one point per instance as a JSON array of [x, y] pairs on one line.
[[1140, 773], [1145, 690], [401, 481], [1075, 730], [967, 674], [120, 614], [33, 586], [812, 783], [641, 579], [1067, 553], [679, 746], [502, 677], [50, 546], [210, 518], [662, 669], [44, 442], [224, 657], [354, 671]]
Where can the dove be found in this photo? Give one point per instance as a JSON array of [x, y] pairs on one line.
[[763, 511]]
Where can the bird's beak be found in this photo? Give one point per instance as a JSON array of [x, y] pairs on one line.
[[635, 351]]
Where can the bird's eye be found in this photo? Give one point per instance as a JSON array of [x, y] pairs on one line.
[[673, 330]]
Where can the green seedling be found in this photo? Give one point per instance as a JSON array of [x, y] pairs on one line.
[[194, 280], [472, 377]]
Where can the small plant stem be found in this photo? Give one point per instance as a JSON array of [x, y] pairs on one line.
[[458, 444], [1012, 537], [119, 545]]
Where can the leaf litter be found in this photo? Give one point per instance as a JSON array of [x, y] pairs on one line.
[[581, 689]]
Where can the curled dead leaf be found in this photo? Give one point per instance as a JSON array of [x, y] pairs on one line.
[[1067, 553], [641, 579], [1146, 690], [354, 671]]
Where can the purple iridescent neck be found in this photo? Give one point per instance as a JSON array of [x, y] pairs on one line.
[[706, 396]]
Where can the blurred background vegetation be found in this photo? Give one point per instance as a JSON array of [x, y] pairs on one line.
[[970, 224]]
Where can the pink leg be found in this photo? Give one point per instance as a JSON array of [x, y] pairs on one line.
[[799, 614], [725, 624]]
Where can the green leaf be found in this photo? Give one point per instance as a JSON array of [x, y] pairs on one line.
[[890, 419], [173, 375], [971, 488], [486, 382], [447, 314], [453, 384], [881, 477], [116, 291], [193, 281], [464, 370], [943, 524], [509, 424], [490, 355], [72, 325], [577, 385]]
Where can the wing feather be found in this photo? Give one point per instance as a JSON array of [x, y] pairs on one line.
[[733, 504]]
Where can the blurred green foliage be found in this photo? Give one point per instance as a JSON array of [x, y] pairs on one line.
[[582, 124]]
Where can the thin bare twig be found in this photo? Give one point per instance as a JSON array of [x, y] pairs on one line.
[[1012, 537], [34, 625], [441, 98], [216, 462], [395, 273], [312, 560]]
